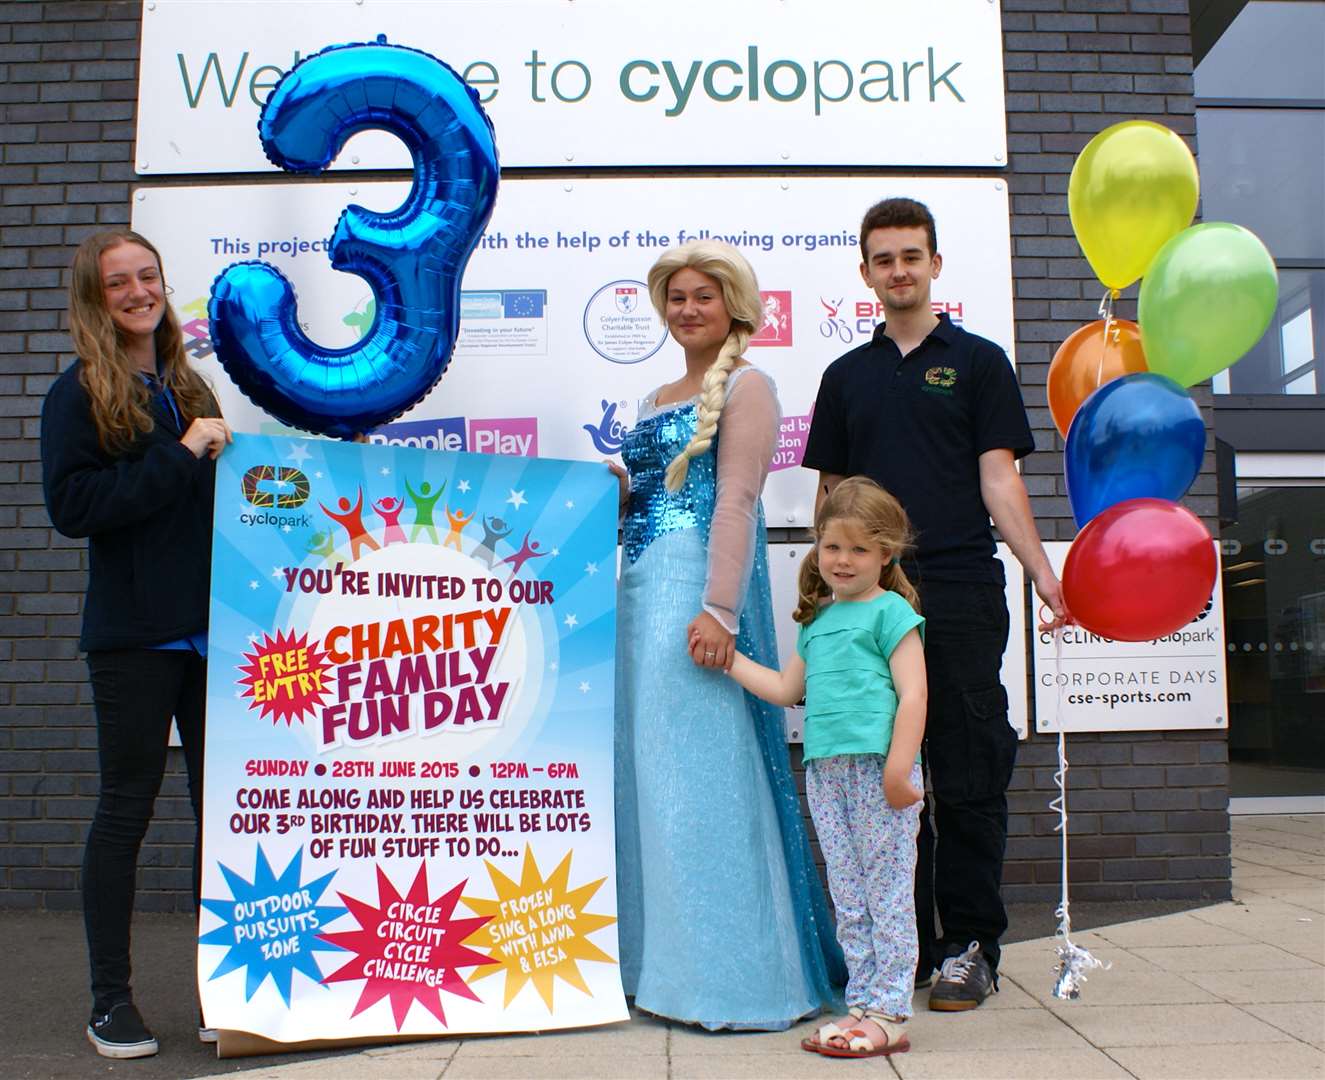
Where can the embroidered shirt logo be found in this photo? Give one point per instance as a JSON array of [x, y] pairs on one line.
[[940, 380]]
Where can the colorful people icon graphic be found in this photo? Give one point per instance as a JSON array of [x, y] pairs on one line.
[[351, 517], [389, 509], [494, 529], [424, 502], [527, 551], [458, 522], [324, 544]]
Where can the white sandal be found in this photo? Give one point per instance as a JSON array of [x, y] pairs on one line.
[[815, 1043], [860, 1045]]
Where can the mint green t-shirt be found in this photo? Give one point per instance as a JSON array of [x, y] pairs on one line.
[[850, 701]]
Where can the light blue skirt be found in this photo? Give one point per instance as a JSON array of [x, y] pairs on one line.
[[723, 921]]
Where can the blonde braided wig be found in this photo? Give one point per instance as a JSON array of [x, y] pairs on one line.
[[740, 293]]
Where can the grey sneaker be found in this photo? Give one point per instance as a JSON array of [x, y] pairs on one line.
[[121, 1033], [964, 982]]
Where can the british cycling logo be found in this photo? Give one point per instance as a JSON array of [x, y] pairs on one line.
[[834, 325], [608, 434]]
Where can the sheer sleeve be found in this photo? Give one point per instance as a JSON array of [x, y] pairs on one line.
[[747, 438]]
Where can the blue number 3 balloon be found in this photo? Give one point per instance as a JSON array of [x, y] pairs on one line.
[[412, 257]]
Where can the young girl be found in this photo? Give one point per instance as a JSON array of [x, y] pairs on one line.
[[860, 664], [129, 437]]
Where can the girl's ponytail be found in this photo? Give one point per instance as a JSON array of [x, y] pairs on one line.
[[812, 589], [894, 579]]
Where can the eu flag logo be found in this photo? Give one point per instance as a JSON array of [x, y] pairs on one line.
[[523, 304]]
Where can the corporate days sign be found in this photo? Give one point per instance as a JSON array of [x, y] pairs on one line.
[[605, 82], [558, 340], [1098, 684], [408, 812]]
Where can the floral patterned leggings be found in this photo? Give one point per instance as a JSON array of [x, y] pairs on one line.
[[870, 850]]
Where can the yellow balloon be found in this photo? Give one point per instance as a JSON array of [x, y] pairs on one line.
[[1132, 189]]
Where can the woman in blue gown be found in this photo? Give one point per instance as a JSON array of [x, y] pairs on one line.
[[723, 921]]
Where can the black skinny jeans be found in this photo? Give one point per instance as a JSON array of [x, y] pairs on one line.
[[136, 692], [969, 753]]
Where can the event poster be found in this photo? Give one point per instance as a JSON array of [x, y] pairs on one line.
[[408, 820]]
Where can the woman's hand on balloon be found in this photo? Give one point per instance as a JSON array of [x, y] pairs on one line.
[[207, 435], [711, 644]]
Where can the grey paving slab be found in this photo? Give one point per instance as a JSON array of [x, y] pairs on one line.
[[1276, 1061], [1171, 930], [1309, 897], [641, 1035], [1247, 987], [1302, 1020], [1080, 1064], [1011, 1030], [1107, 1026], [1129, 980], [653, 1067], [759, 1066], [1257, 956], [1308, 848], [692, 1042]]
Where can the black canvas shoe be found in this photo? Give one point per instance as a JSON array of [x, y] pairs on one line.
[[121, 1033], [964, 982]]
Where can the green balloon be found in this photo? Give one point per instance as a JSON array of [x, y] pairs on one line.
[[1205, 300]]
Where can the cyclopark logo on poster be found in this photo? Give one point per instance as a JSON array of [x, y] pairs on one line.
[[514, 436]]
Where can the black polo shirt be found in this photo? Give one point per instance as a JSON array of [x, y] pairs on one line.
[[917, 425]]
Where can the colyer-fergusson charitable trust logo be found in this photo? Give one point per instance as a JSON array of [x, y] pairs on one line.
[[618, 327]]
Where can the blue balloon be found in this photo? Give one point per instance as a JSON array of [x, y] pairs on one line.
[[413, 257], [1139, 436]]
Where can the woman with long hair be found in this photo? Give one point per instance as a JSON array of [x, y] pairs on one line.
[[723, 922], [129, 437]]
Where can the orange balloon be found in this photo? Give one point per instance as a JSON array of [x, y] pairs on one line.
[[1086, 361]]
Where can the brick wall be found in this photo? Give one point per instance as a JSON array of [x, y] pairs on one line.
[[1148, 811]]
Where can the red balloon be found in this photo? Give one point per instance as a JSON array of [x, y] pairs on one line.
[[1139, 570]]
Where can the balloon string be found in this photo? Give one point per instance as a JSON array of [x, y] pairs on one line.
[[1105, 313], [1074, 961]]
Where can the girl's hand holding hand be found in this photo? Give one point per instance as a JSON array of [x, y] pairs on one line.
[[207, 435], [898, 789], [711, 644]]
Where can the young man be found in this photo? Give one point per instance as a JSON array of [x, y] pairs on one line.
[[935, 415]]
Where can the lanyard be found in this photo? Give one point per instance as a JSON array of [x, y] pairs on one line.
[[159, 389]]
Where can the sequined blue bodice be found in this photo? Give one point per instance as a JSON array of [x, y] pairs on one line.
[[648, 449]]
